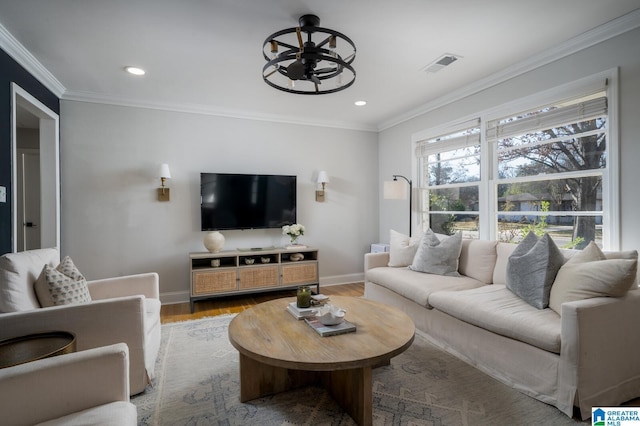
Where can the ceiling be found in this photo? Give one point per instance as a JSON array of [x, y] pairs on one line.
[[206, 55]]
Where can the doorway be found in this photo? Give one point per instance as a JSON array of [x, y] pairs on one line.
[[35, 173]]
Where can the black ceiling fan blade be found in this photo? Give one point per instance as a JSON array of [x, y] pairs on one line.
[[295, 70], [324, 70]]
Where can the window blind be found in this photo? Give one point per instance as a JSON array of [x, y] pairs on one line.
[[570, 114]]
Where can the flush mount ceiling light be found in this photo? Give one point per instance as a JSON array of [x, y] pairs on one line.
[[308, 59]]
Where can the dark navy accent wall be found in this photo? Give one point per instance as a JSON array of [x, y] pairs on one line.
[[11, 71]]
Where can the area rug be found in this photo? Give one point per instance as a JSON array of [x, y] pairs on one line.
[[197, 384]]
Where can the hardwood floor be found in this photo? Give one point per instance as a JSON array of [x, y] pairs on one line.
[[235, 304]]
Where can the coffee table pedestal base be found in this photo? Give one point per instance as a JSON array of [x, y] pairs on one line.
[[352, 389]]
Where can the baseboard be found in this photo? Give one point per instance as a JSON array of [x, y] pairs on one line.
[[173, 297]]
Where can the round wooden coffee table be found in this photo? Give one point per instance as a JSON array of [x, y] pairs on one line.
[[32, 347], [278, 352]]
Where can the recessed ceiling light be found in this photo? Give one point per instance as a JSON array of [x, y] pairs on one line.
[[135, 70], [360, 103]]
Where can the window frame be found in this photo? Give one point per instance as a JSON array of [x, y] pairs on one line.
[[488, 184]]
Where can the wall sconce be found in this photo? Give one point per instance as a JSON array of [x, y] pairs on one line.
[[323, 179], [397, 190], [165, 173]]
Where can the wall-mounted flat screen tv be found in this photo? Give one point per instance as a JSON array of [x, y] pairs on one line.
[[246, 201]]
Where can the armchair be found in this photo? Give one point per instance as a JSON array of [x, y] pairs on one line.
[[124, 309], [88, 387]]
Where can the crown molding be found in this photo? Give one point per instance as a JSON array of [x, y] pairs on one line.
[[99, 98], [604, 32], [22, 56]]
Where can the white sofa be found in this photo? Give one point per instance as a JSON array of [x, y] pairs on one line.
[[587, 356], [123, 309], [84, 388]]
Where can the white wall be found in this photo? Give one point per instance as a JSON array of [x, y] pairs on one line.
[[112, 223], [395, 150]]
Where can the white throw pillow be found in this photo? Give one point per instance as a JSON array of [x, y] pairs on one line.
[[590, 274], [402, 248], [63, 285], [435, 256], [18, 273]]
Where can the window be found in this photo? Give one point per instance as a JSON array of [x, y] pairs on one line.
[[550, 165], [541, 164], [450, 180]]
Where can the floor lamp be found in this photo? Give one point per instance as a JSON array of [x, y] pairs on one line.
[[397, 190]]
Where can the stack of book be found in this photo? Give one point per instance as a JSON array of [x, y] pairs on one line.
[[319, 299], [330, 330], [300, 313]]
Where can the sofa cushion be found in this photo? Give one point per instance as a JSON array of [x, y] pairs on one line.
[[590, 274], [402, 248], [498, 310], [503, 251], [18, 273], [478, 259], [418, 287], [435, 256], [63, 285], [532, 268]]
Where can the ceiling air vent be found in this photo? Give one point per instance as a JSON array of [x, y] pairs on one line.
[[441, 62]]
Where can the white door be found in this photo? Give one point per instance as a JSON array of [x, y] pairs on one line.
[[29, 199]]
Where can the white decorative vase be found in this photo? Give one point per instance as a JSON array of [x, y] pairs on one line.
[[214, 241]]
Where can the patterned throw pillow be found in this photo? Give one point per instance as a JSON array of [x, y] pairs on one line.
[[63, 285]]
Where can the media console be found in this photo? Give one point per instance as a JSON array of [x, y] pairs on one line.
[[239, 271]]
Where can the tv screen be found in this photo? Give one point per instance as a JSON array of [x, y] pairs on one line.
[[243, 201]]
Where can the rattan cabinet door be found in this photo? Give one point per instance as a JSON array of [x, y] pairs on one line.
[[211, 282], [258, 276], [306, 273]]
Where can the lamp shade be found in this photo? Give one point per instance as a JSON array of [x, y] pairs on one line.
[[323, 177], [164, 171], [395, 190]]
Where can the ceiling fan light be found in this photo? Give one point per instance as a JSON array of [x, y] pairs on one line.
[[332, 42]]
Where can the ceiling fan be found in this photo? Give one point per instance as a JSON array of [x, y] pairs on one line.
[[310, 61]]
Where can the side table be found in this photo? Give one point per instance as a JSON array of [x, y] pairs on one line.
[[19, 350]]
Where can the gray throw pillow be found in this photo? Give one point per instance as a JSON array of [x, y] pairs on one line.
[[438, 257], [532, 268]]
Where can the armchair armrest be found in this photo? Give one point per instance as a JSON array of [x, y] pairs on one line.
[[600, 350], [53, 387], [375, 260], [130, 285], [99, 323]]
